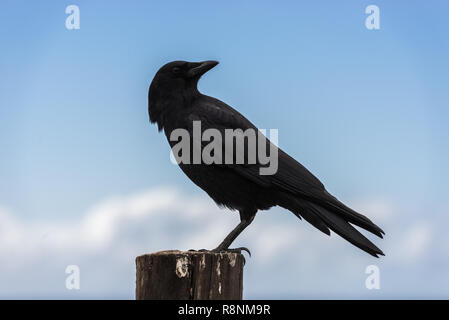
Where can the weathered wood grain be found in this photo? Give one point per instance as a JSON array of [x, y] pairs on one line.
[[191, 275]]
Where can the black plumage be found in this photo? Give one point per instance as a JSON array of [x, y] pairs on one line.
[[175, 102]]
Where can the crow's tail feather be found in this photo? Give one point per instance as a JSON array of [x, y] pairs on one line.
[[332, 204], [325, 219]]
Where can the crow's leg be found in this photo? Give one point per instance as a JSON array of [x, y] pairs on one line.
[[245, 220]]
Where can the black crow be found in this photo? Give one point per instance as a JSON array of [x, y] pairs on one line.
[[174, 102]]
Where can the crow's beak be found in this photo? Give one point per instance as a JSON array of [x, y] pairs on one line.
[[200, 68]]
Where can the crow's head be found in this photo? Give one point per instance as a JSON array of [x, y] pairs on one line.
[[179, 73], [174, 84]]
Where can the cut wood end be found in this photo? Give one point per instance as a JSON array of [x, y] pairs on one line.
[[232, 255]]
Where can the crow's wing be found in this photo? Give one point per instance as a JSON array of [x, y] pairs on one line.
[[291, 176]]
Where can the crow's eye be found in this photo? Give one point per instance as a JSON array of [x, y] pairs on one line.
[[176, 70]]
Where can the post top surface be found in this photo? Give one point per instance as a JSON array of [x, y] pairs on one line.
[[191, 253]]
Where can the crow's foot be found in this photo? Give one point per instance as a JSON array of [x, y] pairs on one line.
[[218, 250], [233, 250], [227, 250]]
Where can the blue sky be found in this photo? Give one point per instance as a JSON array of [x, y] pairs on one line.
[[365, 110]]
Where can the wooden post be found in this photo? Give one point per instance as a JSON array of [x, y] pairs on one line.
[[189, 275]]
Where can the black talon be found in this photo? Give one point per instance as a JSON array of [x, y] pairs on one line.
[[239, 250]]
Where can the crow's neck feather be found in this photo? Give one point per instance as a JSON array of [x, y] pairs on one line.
[[165, 102]]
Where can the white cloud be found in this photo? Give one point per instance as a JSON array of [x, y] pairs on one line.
[[107, 238], [415, 241]]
